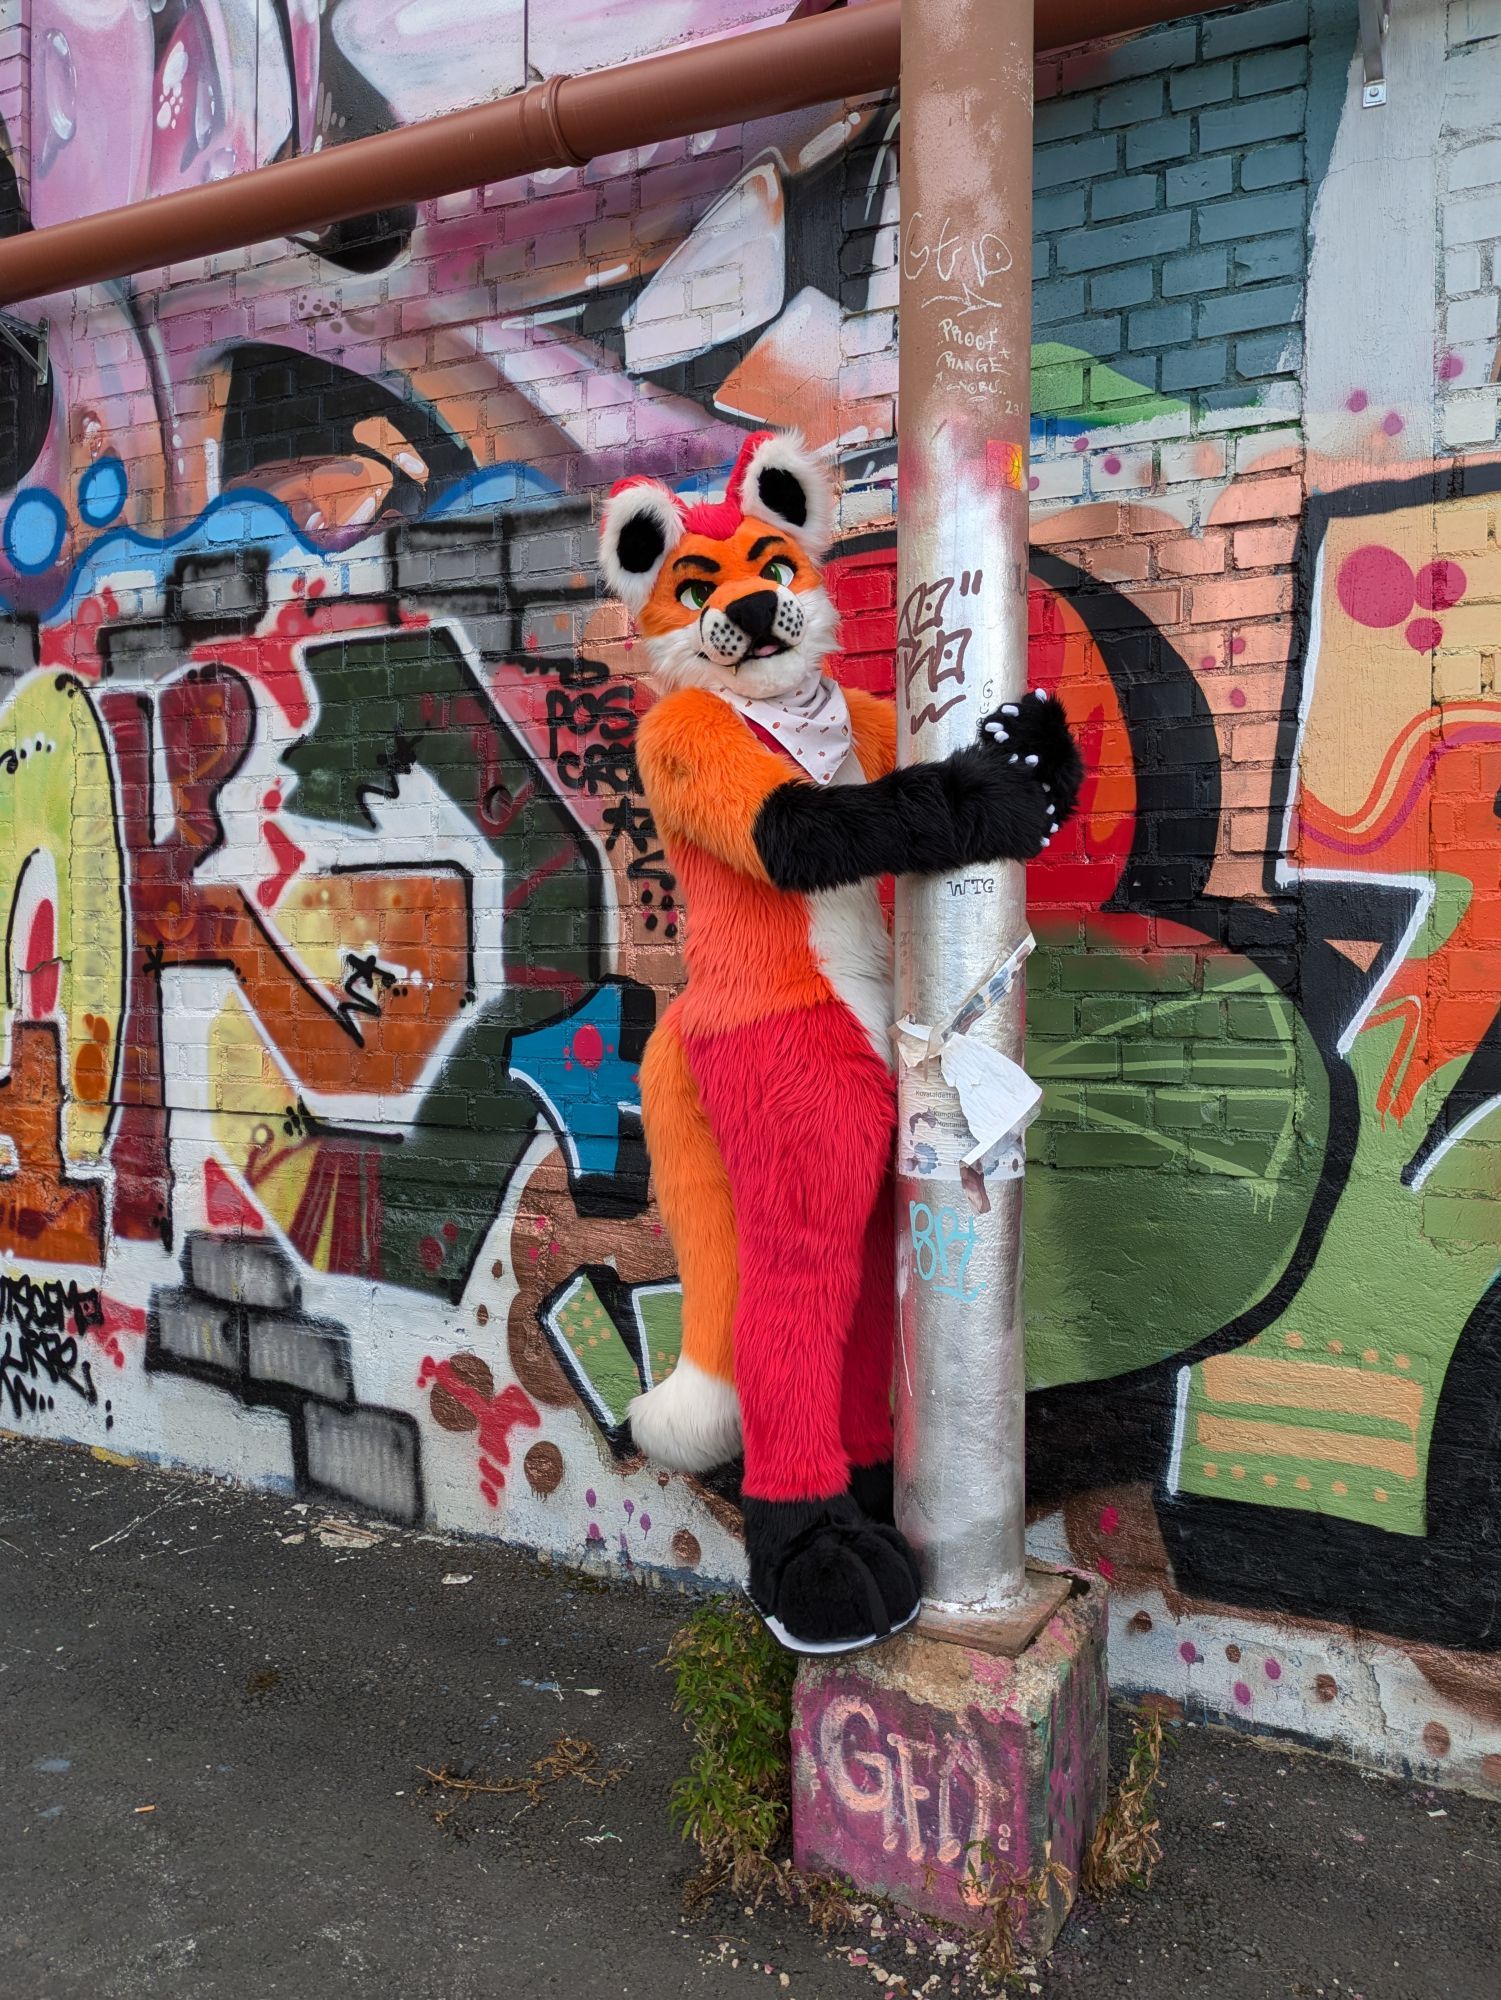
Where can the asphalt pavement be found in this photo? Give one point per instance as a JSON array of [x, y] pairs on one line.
[[216, 1709]]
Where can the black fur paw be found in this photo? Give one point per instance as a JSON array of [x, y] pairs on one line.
[[1033, 734], [824, 1576], [873, 1490]]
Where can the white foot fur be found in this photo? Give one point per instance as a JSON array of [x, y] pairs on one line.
[[690, 1422]]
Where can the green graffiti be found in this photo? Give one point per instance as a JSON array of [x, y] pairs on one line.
[[1184, 1119]]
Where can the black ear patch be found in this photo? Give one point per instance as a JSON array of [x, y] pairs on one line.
[[783, 493], [640, 543]]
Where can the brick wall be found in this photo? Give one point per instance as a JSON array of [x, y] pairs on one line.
[[330, 986]]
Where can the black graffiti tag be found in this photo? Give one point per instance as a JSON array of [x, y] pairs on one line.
[[43, 1323], [927, 645]]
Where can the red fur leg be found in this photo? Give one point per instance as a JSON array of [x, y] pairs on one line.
[[865, 1412], [802, 1112]]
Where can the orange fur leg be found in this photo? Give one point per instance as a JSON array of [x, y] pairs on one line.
[[692, 1420]]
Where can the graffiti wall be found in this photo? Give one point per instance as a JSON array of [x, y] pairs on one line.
[[335, 921]]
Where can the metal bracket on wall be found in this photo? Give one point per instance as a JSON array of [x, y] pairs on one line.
[[16, 334], [1375, 19]]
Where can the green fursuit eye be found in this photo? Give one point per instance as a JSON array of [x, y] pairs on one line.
[[779, 570], [694, 595]]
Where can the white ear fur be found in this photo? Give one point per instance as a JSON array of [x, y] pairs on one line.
[[639, 529], [787, 459]]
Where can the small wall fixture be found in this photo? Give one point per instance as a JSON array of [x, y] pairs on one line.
[[1375, 18], [30, 342]]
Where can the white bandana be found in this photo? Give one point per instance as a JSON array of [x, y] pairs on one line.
[[812, 724]]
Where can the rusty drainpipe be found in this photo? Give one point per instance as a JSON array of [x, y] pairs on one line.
[[566, 121], [965, 304]]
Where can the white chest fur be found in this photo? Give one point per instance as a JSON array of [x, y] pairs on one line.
[[848, 936]]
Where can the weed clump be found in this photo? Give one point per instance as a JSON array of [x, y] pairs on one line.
[[734, 1692], [1125, 1850]]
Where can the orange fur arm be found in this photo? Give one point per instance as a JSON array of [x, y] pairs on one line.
[[874, 722], [706, 776]]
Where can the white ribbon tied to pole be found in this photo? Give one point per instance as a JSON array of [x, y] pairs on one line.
[[997, 1097]]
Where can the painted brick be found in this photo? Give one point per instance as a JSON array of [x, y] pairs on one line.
[[1250, 308], [1098, 334], [1236, 601], [1158, 49], [1167, 139], [1272, 166], [1473, 21], [1129, 285], [1162, 326], [1064, 118], [1264, 548], [1252, 215], [1472, 319], [1469, 418], [1204, 271], [1463, 272], [1194, 555], [1266, 354], [1274, 69], [1476, 167], [1195, 367], [1252, 121], [1105, 388], [1078, 160], [1271, 499], [1132, 103], [1474, 221], [1059, 298], [1283, 256], [1127, 194], [1206, 83], [1229, 34], [1149, 236], [1200, 180], [1064, 208]]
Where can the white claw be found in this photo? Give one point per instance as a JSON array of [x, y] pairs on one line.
[[1047, 788], [1041, 693], [1009, 708], [994, 729], [1047, 840], [1031, 762], [1013, 758]]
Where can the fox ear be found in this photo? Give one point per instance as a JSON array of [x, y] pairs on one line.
[[783, 483], [639, 529]]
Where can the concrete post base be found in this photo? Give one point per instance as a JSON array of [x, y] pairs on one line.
[[935, 1772]]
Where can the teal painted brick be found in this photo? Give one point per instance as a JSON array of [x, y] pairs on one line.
[[1165, 139], [1130, 285], [1200, 180], [1195, 367], [1123, 194], [1264, 257], [1131, 103], [1143, 55], [1204, 271], [1255, 28], [1163, 326], [1271, 166], [1063, 209], [1269, 354], [1132, 375], [1250, 308], [1062, 118], [1273, 69], [1125, 242], [1251, 215], [1099, 334], [1059, 298], [1042, 257], [1206, 83], [1251, 121], [1076, 160]]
